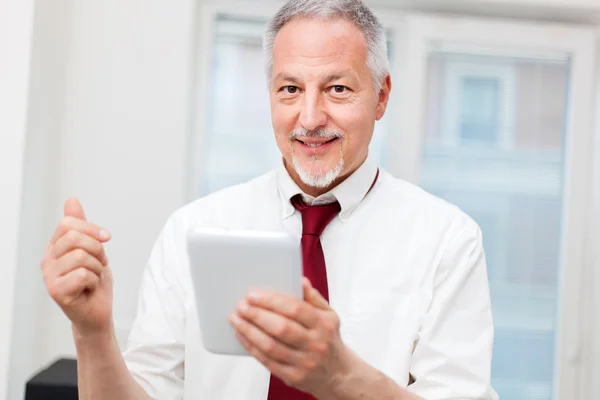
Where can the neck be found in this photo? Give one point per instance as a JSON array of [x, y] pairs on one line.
[[316, 191]]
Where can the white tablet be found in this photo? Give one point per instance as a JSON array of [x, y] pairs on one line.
[[227, 264]]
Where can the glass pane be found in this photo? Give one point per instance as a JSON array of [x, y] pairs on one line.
[[494, 145], [238, 140], [479, 109]]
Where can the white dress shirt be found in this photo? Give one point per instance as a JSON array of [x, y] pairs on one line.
[[406, 274]]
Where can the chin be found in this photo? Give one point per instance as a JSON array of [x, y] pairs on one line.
[[317, 173]]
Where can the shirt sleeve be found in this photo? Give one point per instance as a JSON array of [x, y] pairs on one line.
[[155, 348], [453, 353]]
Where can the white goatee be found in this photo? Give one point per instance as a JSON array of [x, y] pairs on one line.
[[320, 178]]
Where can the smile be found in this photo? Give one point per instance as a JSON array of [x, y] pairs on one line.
[[315, 146], [317, 143]]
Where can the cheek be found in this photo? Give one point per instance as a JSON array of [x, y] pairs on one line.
[[357, 122], [283, 118], [282, 126]]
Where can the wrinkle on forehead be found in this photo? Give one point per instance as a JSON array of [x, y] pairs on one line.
[[313, 62], [311, 43], [316, 38]]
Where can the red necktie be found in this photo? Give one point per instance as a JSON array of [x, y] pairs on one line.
[[314, 221]]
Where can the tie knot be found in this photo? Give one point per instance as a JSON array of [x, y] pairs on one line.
[[315, 218]]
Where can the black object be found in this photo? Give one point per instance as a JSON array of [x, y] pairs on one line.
[[57, 382]]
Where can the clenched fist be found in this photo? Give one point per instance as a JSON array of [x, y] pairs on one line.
[[76, 271]]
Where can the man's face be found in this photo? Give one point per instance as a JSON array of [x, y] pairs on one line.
[[323, 102]]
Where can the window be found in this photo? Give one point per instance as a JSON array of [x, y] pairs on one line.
[[479, 110], [493, 116], [501, 130]]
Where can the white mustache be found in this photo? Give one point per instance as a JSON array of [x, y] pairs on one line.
[[319, 133]]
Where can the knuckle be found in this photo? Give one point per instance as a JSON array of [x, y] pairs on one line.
[[80, 276], [270, 346], [330, 325], [309, 365], [296, 310], [65, 224], [295, 378], [84, 273], [320, 348], [283, 329], [80, 256], [54, 292], [97, 247], [73, 236]]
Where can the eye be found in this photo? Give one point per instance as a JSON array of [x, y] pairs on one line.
[[338, 89], [290, 89]]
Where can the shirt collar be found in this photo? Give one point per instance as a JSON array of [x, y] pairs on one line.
[[348, 193]]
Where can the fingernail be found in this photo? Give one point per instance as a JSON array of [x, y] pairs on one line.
[[243, 307], [254, 296], [235, 320], [104, 234]]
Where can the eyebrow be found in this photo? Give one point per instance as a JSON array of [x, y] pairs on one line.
[[285, 77], [333, 77]]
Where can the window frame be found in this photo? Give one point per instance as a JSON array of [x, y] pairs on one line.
[[518, 38], [458, 70]]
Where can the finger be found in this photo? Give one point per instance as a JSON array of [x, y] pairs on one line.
[[73, 208], [254, 351], [266, 344], [306, 286], [73, 260], [70, 287], [73, 240], [312, 296], [287, 373], [275, 325], [75, 224], [290, 307]]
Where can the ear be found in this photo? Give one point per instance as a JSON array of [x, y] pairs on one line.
[[383, 97]]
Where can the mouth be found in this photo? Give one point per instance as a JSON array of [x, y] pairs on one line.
[[316, 144]]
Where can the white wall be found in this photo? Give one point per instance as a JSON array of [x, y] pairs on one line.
[[124, 128], [108, 120], [16, 21], [40, 206]]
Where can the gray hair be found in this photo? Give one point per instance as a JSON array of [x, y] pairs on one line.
[[354, 11]]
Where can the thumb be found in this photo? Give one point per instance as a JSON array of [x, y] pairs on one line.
[[313, 297], [73, 209]]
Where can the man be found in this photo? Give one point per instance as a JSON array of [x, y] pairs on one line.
[[400, 307]]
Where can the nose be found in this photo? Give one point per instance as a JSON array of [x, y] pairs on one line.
[[313, 114]]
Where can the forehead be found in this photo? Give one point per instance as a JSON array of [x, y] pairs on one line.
[[318, 42]]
